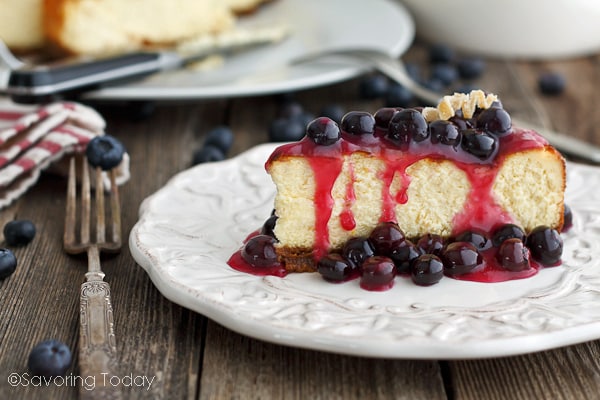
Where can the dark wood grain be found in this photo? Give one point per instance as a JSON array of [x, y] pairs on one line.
[[192, 357]]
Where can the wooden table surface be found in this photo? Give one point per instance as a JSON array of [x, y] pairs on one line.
[[190, 356]]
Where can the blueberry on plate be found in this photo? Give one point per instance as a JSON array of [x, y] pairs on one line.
[[220, 137], [49, 358], [19, 232], [8, 263], [105, 152]]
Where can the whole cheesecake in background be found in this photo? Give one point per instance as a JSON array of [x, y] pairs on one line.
[[456, 173], [99, 27]]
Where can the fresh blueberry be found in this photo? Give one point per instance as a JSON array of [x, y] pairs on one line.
[[290, 109], [334, 112], [373, 87], [440, 53], [220, 137], [207, 153], [323, 131], [551, 83], [414, 71], [435, 85], [8, 263], [105, 152], [19, 232], [466, 88], [398, 96], [49, 358], [446, 73], [470, 68], [358, 123], [286, 130]]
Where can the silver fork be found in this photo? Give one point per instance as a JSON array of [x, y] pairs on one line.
[[394, 68], [97, 344]]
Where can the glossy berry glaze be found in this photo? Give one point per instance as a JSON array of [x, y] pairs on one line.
[[481, 213]]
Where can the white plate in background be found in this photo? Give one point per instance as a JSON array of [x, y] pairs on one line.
[[314, 25]]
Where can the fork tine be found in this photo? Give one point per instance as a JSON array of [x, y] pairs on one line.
[[115, 206], [100, 218], [69, 233], [85, 204]]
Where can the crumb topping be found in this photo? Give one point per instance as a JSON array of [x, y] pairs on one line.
[[467, 103]]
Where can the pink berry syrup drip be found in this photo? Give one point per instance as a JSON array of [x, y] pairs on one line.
[[402, 137]]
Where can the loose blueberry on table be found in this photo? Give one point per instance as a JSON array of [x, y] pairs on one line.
[[105, 152], [19, 232], [8, 263], [50, 358]]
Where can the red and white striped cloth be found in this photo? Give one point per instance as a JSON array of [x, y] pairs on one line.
[[34, 137]]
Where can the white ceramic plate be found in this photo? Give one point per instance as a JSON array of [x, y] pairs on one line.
[[313, 25], [188, 230]]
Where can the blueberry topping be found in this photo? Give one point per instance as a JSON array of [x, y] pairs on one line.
[[19, 232], [427, 270], [431, 244], [333, 267], [440, 53], [357, 250], [513, 255], [551, 83], [49, 359], [333, 111], [460, 258], [105, 152], [507, 231], [444, 132], [286, 130], [373, 87], [386, 237], [383, 116], [477, 239], [8, 263], [404, 255], [406, 125], [398, 96], [545, 245], [207, 153], [269, 226], [480, 144], [378, 273], [494, 120], [358, 123], [470, 68], [221, 137], [323, 131], [259, 251]]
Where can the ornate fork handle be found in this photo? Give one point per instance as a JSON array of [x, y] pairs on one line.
[[97, 343]]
